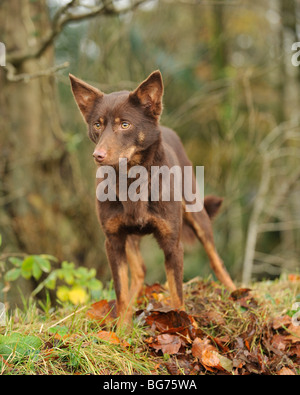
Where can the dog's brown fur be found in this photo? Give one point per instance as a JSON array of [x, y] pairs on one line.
[[126, 125]]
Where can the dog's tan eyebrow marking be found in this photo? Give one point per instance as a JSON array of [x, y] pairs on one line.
[[141, 137], [117, 120], [101, 120]]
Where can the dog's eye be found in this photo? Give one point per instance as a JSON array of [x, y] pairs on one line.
[[125, 125], [97, 125]]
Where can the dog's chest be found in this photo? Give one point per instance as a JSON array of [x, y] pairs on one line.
[[136, 214]]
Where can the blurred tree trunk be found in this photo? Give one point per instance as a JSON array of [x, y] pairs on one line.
[[43, 207]]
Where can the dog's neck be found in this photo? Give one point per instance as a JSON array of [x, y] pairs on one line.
[[152, 156]]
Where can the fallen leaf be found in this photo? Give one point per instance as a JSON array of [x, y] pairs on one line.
[[209, 357], [50, 354], [221, 341], [280, 322], [168, 344], [111, 338], [182, 364], [215, 317], [295, 350], [240, 293], [103, 311], [279, 342], [243, 297], [154, 289], [70, 337], [294, 278], [285, 372], [294, 333], [172, 321]]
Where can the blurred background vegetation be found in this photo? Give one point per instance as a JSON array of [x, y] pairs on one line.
[[231, 93]]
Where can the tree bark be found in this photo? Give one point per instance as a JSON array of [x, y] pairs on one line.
[[43, 205]]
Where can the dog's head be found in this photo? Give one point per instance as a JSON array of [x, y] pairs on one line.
[[121, 124]]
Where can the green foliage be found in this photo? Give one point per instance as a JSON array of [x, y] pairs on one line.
[[31, 266], [72, 284], [17, 346]]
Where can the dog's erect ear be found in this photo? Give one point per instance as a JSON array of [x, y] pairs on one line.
[[85, 96], [149, 94]]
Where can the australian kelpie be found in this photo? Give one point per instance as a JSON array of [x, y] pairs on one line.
[[126, 125]]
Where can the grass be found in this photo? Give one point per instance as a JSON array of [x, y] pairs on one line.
[[70, 345], [79, 351]]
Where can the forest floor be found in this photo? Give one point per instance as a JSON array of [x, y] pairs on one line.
[[249, 331]]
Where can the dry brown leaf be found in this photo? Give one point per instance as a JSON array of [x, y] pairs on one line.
[[103, 311], [294, 278], [168, 344], [279, 342], [294, 333], [240, 293], [172, 321], [285, 372], [209, 357], [111, 338], [244, 298], [282, 321], [70, 337]]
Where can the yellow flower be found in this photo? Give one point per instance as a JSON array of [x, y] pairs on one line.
[[78, 295]]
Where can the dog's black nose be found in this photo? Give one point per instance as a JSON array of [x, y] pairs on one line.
[[100, 155]]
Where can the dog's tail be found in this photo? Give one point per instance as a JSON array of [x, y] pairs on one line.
[[212, 205]]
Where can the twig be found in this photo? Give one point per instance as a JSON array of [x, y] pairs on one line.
[[67, 317], [12, 77], [60, 19]]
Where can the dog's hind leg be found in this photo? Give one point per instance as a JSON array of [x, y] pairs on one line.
[[201, 224], [136, 265]]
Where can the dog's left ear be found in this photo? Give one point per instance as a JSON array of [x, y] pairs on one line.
[[85, 96], [149, 94]]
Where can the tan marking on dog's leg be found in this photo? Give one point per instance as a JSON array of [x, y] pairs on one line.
[[174, 271], [124, 305], [173, 285], [115, 248], [136, 265], [113, 224]]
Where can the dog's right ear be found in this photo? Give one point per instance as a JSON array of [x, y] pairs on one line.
[[85, 96]]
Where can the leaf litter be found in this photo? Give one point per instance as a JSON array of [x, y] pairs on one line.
[[223, 333], [238, 333]]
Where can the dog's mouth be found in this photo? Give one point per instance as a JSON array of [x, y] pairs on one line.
[[107, 161], [99, 162], [130, 155]]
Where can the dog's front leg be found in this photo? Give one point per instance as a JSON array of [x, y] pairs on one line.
[[115, 248], [136, 265]]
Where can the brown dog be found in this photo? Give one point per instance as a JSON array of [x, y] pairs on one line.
[[126, 125]]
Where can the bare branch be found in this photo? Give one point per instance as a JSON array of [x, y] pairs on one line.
[[66, 14], [13, 77]]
